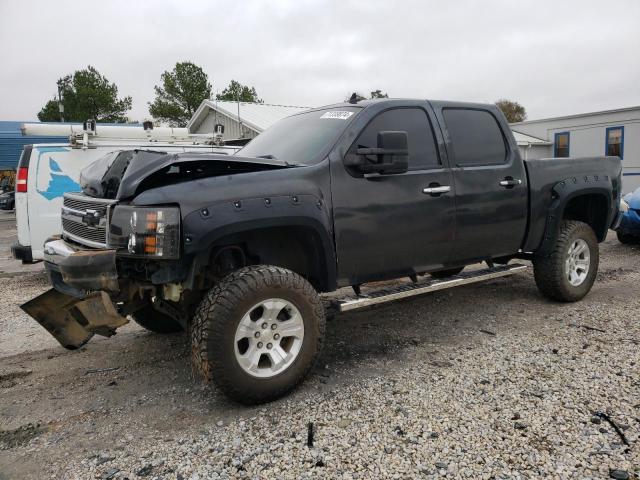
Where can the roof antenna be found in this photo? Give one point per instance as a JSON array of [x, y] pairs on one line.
[[354, 98]]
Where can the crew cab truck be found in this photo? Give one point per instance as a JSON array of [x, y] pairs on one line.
[[236, 249]]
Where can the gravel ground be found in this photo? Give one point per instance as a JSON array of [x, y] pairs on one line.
[[484, 381]]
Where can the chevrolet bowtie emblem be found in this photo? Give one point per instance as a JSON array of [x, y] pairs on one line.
[[91, 218]]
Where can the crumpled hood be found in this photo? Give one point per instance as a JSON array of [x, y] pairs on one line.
[[123, 174]]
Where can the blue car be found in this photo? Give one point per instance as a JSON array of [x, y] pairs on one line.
[[629, 229]]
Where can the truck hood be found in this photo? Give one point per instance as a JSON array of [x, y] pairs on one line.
[[123, 174]]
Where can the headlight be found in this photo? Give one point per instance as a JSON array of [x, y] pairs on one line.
[[145, 231], [624, 206]]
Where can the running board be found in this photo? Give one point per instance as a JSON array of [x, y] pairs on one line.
[[426, 286]]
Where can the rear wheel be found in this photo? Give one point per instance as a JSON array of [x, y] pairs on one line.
[[154, 321], [446, 273], [567, 273], [257, 333]]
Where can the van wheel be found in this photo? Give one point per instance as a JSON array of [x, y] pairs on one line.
[[257, 333], [450, 272], [154, 321], [567, 273]]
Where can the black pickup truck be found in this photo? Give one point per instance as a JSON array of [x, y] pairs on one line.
[[236, 249]]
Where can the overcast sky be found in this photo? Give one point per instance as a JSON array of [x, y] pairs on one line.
[[554, 57]]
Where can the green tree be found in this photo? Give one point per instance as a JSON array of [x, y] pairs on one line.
[[512, 110], [87, 95], [237, 92], [182, 91]]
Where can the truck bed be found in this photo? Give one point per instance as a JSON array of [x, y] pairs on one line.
[[552, 181]]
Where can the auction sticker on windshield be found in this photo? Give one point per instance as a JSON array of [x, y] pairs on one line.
[[337, 114]]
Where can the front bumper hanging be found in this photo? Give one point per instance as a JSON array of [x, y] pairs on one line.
[[79, 305], [73, 321], [74, 271]]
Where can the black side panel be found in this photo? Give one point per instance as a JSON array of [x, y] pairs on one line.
[[553, 182], [490, 181], [389, 226], [216, 207]]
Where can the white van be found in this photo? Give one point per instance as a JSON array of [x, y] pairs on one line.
[[47, 171]]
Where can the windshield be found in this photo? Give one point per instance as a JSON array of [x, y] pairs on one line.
[[301, 139]]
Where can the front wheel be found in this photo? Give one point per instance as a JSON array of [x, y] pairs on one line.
[[567, 273], [257, 333]]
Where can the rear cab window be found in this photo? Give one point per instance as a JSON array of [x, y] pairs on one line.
[[423, 153], [476, 137]]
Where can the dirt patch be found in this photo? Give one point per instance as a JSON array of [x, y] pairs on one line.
[[613, 274], [8, 380], [19, 436]]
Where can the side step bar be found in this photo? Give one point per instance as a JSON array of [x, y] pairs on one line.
[[425, 286]]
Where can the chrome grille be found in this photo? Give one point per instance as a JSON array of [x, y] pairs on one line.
[[81, 204], [85, 219], [82, 232]]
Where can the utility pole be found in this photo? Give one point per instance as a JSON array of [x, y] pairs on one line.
[[60, 105], [239, 119]]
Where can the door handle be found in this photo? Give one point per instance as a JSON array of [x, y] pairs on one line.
[[437, 190], [510, 182]]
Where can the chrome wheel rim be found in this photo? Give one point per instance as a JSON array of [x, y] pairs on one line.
[[577, 263], [269, 337]]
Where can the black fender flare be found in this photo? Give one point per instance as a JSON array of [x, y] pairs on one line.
[[202, 228], [566, 190]]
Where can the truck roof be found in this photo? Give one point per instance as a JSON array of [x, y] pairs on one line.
[[393, 101]]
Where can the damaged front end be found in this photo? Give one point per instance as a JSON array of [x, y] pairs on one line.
[[116, 257], [79, 306]]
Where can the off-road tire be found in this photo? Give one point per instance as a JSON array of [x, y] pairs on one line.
[[449, 272], [155, 321], [549, 270], [214, 324], [627, 239]]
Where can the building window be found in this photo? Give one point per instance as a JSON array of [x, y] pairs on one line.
[[561, 145], [614, 145]]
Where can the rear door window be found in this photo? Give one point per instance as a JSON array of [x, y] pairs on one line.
[[476, 137], [423, 153]]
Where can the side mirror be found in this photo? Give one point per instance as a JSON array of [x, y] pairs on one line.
[[391, 154]]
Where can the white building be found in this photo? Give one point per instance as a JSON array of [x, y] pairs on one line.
[[610, 132], [240, 119], [532, 147]]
